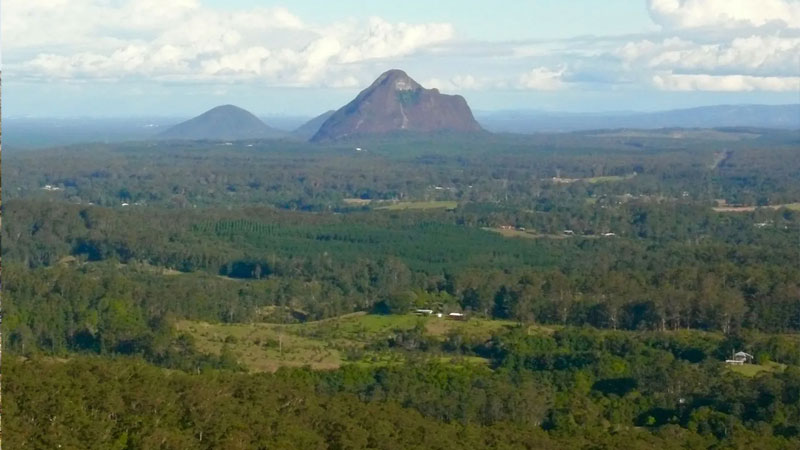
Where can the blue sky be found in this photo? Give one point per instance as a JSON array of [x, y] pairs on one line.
[[482, 20], [180, 57]]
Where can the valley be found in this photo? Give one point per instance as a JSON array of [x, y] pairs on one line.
[[231, 286], [355, 225]]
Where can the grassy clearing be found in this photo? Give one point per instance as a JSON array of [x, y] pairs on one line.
[[464, 360], [400, 206], [514, 233], [330, 343], [751, 370], [261, 347], [735, 209], [475, 329], [527, 234], [357, 201], [609, 179], [594, 180]]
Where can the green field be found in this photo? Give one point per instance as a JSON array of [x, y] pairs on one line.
[[400, 206], [328, 344], [609, 179], [527, 234], [357, 201], [789, 206], [751, 370], [357, 338]]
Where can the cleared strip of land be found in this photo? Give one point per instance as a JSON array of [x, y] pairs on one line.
[[751, 370], [735, 209], [357, 201], [400, 206], [594, 180], [524, 234]]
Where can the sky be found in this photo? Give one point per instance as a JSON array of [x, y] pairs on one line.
[[117, 58]]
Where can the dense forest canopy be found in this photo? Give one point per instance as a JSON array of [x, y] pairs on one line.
[[606, 277]]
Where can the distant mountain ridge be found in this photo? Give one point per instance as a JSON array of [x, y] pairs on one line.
[[310, 128], [393, 103], [226, 122], [25, 132], [758, 116]]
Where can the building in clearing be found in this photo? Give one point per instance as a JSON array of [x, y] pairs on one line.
[[423, 312], [740, 358], [456, 316]]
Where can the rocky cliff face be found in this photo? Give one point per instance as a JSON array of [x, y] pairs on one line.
[[395, 102]]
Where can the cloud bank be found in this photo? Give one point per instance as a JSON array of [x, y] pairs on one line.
[[721, 45], [700, 45], [182, 40], [681, 14]]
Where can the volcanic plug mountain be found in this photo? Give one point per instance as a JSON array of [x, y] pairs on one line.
[[395, 102], [225, 122]]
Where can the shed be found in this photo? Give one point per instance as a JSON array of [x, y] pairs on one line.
[[740, 358]]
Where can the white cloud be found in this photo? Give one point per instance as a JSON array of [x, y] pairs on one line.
[[724, 13], [725, 83], [183, 40], [742, 44], [348, 81], [457, 83], [753, 55], [719, 45], [543, 79], [381, 39]]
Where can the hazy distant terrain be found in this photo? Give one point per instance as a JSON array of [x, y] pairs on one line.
[[46, 132], [226, 122], [310, 128], [764, 116]]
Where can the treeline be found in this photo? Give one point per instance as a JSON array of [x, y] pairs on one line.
[[41, 232], [327, 265], [673, 299], [578, 379], [104, 311], [102, 308], [575, 389]]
